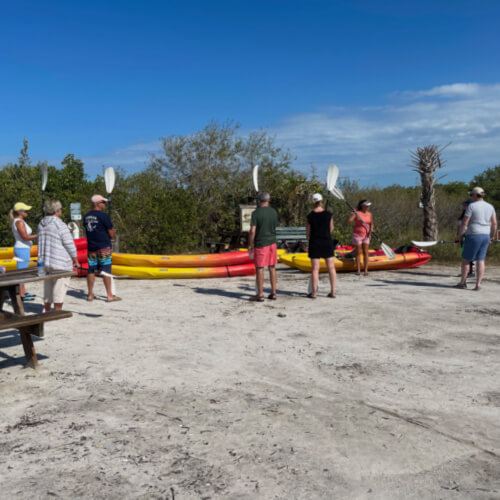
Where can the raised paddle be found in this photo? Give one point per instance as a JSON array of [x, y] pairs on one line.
[[45, 178], [109, 181], [385, 248], [331, 179]]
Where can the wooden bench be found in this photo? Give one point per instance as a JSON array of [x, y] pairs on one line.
[[29, 325], [294, 239]]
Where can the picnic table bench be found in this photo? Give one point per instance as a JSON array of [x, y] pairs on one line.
[[292, 238], [27, 324]]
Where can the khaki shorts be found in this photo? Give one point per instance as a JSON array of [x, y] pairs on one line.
[[54, 291]]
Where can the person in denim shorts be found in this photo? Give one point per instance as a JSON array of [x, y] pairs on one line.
[[480, 226]]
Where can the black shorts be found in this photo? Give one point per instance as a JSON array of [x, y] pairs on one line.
[[321, 249]]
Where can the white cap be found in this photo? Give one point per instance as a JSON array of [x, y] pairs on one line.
[[317, 197], [97, 198], [367, 203], [477, 190]]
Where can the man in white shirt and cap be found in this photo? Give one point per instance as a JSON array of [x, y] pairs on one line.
[[480, 227]]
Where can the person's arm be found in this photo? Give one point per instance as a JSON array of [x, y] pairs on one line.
[[308, 230], [351, 218], [69, 244], [461, 229], [106, 219], [494, 227], [331, 225], [21, 229]]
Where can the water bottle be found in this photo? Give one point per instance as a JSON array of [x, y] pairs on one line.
[[40, 268]]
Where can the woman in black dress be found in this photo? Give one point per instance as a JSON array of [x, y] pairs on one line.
[[319, 229]]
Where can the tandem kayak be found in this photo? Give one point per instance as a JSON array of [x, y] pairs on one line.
[[180, 272], [375, 262]]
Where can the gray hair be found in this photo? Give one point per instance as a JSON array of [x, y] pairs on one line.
[[50, 207], [264, 196]]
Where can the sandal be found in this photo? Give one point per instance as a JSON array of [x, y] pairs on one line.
[[311, 296], [114, 299], [461, 286], [272, 296], [256, 298], [332, 295]]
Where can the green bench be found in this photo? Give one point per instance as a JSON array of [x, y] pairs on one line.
[[294, 239]]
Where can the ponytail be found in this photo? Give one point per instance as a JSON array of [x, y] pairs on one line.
[[12, 215]]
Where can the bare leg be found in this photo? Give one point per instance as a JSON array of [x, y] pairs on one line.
[[314, 276], [358, 259], [58, 306], [330, 263], [479, 272], [273, 277], [107, 285], [465, 271], [90, 285], [22, 290], [260, 281]]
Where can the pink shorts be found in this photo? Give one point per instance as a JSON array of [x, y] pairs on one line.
[[265, 256], [358, 240]]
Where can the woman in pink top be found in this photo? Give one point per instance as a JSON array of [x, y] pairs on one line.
[[363, 226]]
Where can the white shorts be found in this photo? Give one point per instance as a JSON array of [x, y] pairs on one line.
[[54, 291]]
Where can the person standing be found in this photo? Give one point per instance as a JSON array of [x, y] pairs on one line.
[[100, 233], [23, 241], [57, 251], [480, 226], [464, 205], [262, 244], [319, 227], [363, 227]]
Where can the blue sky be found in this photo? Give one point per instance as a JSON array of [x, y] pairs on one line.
[[357, 83]]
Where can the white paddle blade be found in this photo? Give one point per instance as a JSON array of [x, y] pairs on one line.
[[337, 193], [45, 176], [255, 174], [109, 179], [424, 244], [332, 176], [388, 251]]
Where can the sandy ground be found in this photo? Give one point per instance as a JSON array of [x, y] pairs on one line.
[[186, 390]]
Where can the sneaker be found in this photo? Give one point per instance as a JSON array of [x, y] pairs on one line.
[[462, 286]]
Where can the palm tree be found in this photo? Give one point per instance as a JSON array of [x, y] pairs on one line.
[[426, 161]]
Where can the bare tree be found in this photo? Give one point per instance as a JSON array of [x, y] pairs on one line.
[[426, 161]]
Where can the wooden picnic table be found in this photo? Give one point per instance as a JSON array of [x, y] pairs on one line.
[[27, 324]]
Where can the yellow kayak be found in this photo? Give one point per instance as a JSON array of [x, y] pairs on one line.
[[11, 264], [375, 262], [186, 272]]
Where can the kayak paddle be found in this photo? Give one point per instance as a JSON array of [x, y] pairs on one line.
[[109, 181], [45, 177]]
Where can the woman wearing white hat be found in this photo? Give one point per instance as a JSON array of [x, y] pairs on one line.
[[24, 240], [319, 227], [363, 227]]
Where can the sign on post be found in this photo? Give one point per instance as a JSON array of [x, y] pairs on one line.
[[76, 211], [245, 217]]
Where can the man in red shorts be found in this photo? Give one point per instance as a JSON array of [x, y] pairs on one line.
[[262, 244]]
